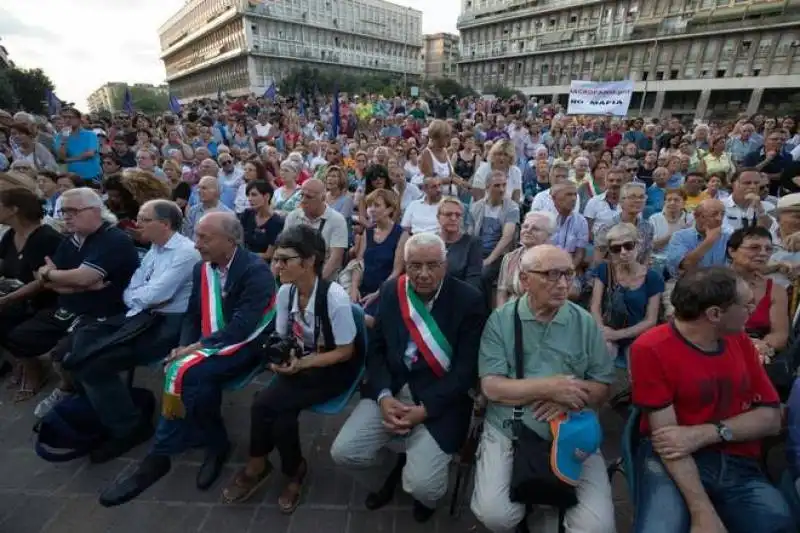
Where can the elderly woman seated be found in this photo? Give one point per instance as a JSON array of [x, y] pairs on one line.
[[749, 250], [537, 228], [626, 293]]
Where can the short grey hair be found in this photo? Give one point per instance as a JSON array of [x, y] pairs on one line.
[[87, 197], [549, 217], [622, 231], [231, 226], [628, 187], [166, 211], [422, 240]]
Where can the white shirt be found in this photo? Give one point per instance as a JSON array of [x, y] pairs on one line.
[[735, 215], [421, 217], [598, 210], [241, 203], [543, 201], [410, 193], [164, 278], [339, 313]]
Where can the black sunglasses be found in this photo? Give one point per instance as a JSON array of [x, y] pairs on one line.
[[617, 248]]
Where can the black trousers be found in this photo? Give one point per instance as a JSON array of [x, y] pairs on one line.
[[276, 409], [38, 335]]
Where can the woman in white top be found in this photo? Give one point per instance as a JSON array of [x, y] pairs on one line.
[[671, 219], [502, 157], [287, 197], [435, 161]]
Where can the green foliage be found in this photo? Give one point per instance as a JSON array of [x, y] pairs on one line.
[[447, 87], [503, 93], [146, 100], [306, 80], [8, 98], [28, 89]]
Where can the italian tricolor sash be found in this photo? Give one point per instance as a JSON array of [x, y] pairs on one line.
[[424, 331], [211, 321]]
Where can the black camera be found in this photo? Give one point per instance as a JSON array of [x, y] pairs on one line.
[[279, 350]]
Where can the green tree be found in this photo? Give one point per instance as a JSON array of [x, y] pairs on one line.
[[501, 92], [147, 100], [30, 87], [8, 98], [447, 87]]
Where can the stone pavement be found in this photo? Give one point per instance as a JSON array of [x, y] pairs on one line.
[[39, 497]]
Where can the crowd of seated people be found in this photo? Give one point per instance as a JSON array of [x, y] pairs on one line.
[[520, 280]]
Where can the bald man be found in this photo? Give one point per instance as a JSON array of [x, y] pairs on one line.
[[316, 213], [244, 287], [704, 244], [207, 192], [573, 373]]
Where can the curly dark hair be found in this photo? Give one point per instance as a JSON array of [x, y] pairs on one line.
[[373, 172]]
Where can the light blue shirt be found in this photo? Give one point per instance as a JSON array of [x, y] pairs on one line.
[[196, 212], [164, 278], [78, 143], [685, 240]]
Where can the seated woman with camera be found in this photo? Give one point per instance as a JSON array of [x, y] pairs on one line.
[[313, 356]]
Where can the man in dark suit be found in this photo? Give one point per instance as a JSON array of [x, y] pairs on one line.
[[215, 347], [421, 364]]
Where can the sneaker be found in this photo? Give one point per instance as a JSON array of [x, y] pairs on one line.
[[46, 405]]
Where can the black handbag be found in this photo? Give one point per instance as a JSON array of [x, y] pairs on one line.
[[532, 479], [615, 310]]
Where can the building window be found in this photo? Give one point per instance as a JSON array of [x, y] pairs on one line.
[[645, 75], [659, 75], [673, 74], [756, 71], [721, 73]]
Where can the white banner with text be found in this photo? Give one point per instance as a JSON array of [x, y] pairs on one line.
[[599, 97]]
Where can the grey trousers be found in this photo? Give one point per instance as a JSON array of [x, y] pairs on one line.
[[361, 445]]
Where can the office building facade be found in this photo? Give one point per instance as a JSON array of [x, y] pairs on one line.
[[440, 56], [693, 57], [242, 46]]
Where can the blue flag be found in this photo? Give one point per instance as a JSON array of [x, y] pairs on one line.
[[174, 104], [127, 102], [271, 92], [335, 111], [53, 103]]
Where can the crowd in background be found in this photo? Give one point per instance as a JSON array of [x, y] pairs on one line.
[[635, 203]]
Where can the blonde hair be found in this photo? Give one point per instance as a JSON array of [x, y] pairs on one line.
[[389, 198], [503, 147], [624, 231], [438, 128], [449, 200], [342, 177]]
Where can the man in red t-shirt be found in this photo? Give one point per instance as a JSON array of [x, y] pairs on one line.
[[707, 403]]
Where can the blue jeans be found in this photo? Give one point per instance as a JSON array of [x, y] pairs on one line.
[[743, 497]]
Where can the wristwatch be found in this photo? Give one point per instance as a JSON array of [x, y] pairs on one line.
[[724, 432]]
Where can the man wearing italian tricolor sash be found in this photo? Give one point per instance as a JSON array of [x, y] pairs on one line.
[[231, 312], [422, 363]]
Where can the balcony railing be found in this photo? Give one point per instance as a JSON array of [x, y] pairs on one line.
[[516, 9], [335, 56], [630, 33], [376, 30]]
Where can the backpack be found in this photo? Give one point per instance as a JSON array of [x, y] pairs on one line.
[[72, 428]]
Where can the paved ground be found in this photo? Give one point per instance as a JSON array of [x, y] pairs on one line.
[[38, 497]]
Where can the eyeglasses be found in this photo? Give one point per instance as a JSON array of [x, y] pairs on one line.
[[72, 211], [416, 268], [226, 162], [754, 248], [451, 214], [285, 259], [555, 274], [143, 220], [617, 248]]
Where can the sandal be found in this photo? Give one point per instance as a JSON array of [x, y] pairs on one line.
[[244, 486], [290, 497]]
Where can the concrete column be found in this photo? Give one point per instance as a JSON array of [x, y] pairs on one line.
[[702, 103], [659, 105], [755, 101]]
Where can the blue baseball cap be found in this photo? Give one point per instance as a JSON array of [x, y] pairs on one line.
[[576, 436]]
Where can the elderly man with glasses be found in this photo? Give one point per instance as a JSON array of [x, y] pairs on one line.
[[230, 177]]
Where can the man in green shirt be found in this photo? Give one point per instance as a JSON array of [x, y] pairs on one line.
[[418, 113], [567, 368]]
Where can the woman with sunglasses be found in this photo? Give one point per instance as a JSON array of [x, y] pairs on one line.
[[626, 295], [749, 250]]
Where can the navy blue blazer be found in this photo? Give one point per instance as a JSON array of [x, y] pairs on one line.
[[459, 311], [248, 288]]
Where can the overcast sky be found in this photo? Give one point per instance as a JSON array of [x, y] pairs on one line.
[[81, 44]]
